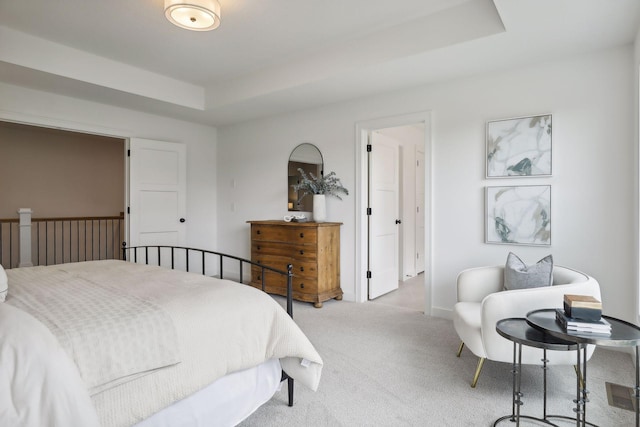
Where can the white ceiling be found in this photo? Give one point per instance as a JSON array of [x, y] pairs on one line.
[[275, 56]]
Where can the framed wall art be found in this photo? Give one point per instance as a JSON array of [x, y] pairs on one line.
[[519, 215], [519, 147]]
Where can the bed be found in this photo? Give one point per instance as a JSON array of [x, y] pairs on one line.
[[124, 343]]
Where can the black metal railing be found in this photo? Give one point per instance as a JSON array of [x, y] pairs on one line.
[[9, 242], [63, 239]]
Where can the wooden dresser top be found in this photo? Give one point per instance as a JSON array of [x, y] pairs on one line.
[[296, 224]]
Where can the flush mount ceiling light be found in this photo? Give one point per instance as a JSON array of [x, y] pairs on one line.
[[196, 15]]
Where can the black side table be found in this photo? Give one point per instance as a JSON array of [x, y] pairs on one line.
[[623, 334], [519, 331]]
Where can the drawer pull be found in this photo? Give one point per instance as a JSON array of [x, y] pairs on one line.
[[258, 232], [301, 268], [301, 252], [302, 235], [301, 285], [259, 248]]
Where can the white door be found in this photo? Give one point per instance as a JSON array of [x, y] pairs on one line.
[[420, 192], [157, 193], [384, 185]]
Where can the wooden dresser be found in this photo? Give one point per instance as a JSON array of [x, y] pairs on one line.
[[313, 249]]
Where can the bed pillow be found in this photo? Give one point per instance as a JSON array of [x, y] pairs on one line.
[[4, 284], [518, 275]]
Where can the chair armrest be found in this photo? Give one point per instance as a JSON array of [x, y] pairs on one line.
[[474, 284], [517, 303]]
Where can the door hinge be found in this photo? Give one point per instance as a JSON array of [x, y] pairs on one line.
[[128, 153], [368, 211], [368, 148], [128, 210], [368, 274]]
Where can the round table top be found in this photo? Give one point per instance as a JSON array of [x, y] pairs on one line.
[[519, 331], [623, 334]]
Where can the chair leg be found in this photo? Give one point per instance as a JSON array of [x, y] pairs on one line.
[[460, 348], [579, 374], [477, 374]]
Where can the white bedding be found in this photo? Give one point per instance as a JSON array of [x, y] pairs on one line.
[[222, 327], [226, 402], [39, 384], [111, 335]]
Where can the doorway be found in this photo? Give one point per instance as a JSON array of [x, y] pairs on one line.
[[79, 179], [411, 213], [71, 184]]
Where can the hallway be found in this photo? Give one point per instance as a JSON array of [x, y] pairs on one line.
[[410, 294]]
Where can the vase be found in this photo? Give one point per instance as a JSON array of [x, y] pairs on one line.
[[319, 208]]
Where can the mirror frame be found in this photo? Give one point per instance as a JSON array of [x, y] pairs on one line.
[[293, 203]]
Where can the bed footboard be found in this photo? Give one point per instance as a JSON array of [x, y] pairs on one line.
[[170, 256], [163, 255]]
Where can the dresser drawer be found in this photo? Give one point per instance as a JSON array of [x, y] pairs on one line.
[[300, 252], [305, 285], [278, 282], [295, 235], [301, 268], [274, 283]]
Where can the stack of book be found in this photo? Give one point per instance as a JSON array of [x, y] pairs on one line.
[[582, 314]]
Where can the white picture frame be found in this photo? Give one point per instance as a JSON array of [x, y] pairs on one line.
[[518, 215], [519, 147]]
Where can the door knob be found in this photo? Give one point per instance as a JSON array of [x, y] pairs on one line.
[[182, 220], [398, 221]]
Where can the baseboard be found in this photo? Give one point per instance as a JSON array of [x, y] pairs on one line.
[[349, 297], [445, 313]]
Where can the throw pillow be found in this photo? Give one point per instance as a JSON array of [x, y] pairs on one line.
[[518, 275], [4, 284]]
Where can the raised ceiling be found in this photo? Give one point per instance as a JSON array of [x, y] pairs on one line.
[[277, 56]]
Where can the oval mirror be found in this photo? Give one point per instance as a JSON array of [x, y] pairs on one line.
[[308, 158]]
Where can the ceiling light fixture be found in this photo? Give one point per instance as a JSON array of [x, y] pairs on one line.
[[196, 15]]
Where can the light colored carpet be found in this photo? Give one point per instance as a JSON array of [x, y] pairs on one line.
[[391, 366]]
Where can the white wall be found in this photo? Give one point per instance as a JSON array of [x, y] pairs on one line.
[[34, 107], [593, 189], [254, 157]]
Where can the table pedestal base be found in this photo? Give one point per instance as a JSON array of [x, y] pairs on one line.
[[515, 416]]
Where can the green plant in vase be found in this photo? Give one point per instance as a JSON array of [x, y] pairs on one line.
[[319, 187]]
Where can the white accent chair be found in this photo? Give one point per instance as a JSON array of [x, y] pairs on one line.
[[482, 302]]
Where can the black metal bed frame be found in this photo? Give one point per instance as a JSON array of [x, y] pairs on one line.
[[221, 256]]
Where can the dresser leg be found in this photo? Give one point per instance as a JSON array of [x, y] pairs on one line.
[[338, 298], [317, 304]]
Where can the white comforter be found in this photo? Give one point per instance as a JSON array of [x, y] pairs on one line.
[[39, 384], [221, 326], [112, 335]]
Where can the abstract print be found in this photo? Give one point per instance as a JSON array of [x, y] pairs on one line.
[[519, 147], [519, 215]]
